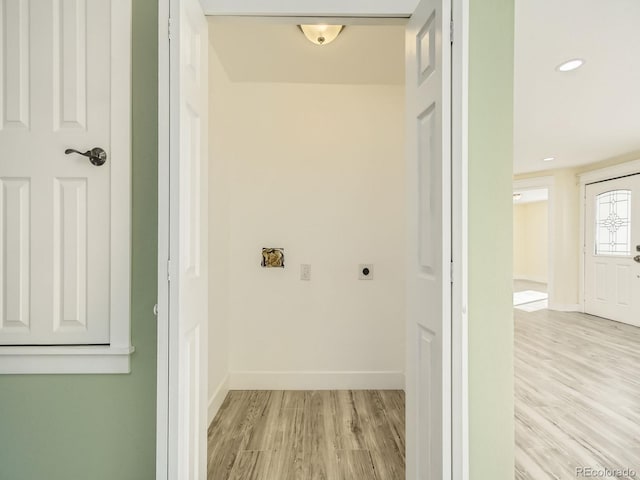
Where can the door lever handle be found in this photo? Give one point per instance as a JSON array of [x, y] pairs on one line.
[[97, 156]]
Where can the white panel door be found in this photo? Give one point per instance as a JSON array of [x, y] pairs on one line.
[[188, 286], [612, 249], [62, 232], [428, 124]]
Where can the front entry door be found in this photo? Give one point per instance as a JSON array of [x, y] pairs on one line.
[[428, 124], [612, 249]]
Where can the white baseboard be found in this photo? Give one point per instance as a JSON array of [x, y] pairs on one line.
[[568, 307], [526, 278], [316, 380], [215, 402]]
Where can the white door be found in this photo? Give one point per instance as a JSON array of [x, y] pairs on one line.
[[428, 124], [188, 286], [64, 222], [612, 249]]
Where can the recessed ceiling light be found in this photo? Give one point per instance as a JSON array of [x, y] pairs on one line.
[[549, 159], [570, 65]]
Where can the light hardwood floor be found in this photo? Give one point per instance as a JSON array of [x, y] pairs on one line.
[[520, 285], [577, 395], [577, 404], [313, 435]]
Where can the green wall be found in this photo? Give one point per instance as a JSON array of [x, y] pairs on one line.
[[490, 239], [95, 427], [64, 427]]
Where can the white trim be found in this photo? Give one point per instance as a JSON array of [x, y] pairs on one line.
[[527, 278], [337, 8], [599, 175], [310, 8], [568, 307], [112, 358], [64, 360], [317, 380], [120, 313], [162, 377], [583, 242], [609, 173], [176, 413], [247, 20], [459, 241], [215, 402], [534, 183], [547, 182]]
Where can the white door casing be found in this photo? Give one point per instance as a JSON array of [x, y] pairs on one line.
[[187, 428], [612, 240], [440, 438], [428, 124], [64, 223]]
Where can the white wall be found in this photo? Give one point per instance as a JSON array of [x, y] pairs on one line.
[[566, 238], [318, 170], [531, 241]]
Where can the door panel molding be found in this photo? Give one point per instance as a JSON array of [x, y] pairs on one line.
[[15, 256], [14, 65], [69, 42]]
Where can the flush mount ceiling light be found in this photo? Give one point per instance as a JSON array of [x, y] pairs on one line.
[[570, 65], [321, 34], [548, 159]]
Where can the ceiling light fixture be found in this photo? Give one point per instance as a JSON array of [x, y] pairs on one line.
[[517, 196], [548, 159], [321, 34], [570, 65]]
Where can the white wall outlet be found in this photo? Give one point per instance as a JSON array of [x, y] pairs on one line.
[[305, 272], [365, 271]]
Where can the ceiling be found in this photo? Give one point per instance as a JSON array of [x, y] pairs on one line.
[[583, 116], [268, 52], [578, 117]]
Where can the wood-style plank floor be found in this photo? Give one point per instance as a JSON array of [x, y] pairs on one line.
[[577, 395], [310, 435]]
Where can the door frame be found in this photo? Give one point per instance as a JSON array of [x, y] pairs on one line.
[[547, 182], [586, 178], [459, 193]]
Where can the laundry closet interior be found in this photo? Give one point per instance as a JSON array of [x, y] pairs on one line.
[[306, 156]]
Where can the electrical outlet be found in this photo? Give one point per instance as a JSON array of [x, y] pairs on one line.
[[305, 272], [365, 271]]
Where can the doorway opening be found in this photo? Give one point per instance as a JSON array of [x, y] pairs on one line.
[[306, 160], [435, 164], [531, 249]]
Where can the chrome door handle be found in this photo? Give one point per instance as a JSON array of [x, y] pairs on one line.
[[97, 156]]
